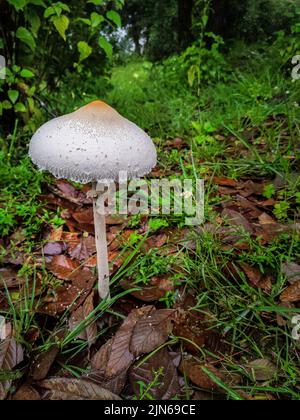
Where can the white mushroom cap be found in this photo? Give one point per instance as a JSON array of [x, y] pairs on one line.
[[93, 143]]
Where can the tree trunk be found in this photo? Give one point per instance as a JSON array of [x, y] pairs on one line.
[[185, 20]]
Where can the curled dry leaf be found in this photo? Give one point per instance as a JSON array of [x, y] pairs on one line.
[[11, 354], [70, 389], [198, 376], [158, 370], [253, 274], [292, 293]]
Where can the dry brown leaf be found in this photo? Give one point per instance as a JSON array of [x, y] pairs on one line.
[[42, 363], [116, 356], [66, 191], [237, 220], [292, 293], [84, 249], [79, 315], [71, 295], [9, 278], [262, 370], [84, 216], [160, 367], [66, 388], [193, 370], [291, 271], [253, 274], [11, 354], [225, 182], [62, 267], [195, 328], [26, 393], [158, 287], [151, 331]]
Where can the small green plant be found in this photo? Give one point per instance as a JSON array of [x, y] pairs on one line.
[[145, 389], [269, 191], [281, 210]]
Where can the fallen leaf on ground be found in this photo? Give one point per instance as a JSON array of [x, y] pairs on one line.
[[26, 393], [291, 271], [9, 278], [116, 356], [42, 363], [71, 295], [157, 288], [193, 370], [65, 190], [158, 370], [194, 328], [238, 220], [89, 333], [11, 354], [151, 331], [253, 274], [70, 389], [262, 370], [82, 250], [62, 267], [292, 293]]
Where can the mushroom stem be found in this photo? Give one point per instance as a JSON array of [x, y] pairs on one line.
[[101, 245]]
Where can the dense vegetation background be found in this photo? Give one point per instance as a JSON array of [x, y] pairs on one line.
[[211, 81]]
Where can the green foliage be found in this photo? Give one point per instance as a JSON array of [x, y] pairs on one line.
[[53, 39]]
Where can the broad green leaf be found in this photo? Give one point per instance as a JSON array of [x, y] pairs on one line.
[[61, 24], [114, 17], [19, 107], [49, 12], [62, 6], [84, 49], [96, 19], [13, 95], [96, 2], [26, 37], [106, 46], [18, 4], [85, 21], [34, 21], [27, 74], [56, 9]]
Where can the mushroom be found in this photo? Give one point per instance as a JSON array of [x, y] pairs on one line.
[[94, 144]]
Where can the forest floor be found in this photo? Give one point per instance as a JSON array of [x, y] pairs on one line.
[[196, 313]]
